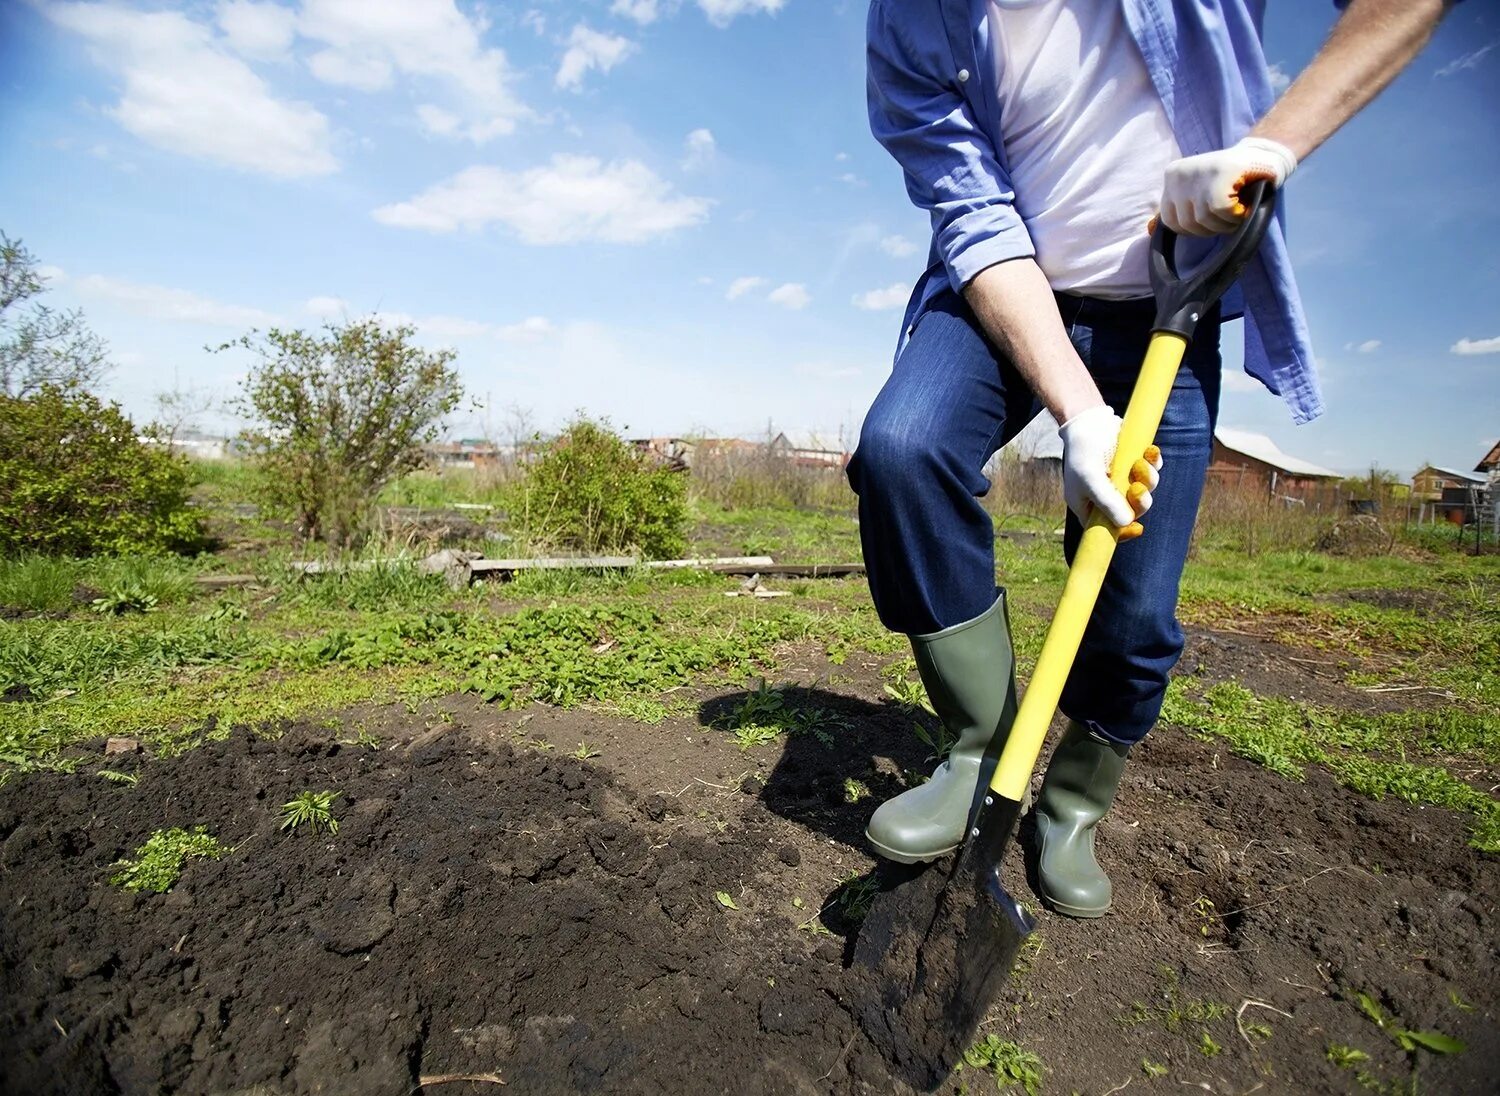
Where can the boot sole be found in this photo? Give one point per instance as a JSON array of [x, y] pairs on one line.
[[908, 857], [1077, 912]]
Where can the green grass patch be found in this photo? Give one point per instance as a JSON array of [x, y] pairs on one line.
[[1286, 736], [157, 865]]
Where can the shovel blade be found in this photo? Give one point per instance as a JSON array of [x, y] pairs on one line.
[[934, 952]]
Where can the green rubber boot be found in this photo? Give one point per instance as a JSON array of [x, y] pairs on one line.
[[1079, 787], [969, 672]]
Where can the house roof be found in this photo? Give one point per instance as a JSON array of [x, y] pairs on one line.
[[819, 441], [1490, 459], [1263, 449], [1453, 473], [1038, 440]]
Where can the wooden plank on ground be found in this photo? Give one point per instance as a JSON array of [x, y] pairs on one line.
[[225, 582], [482, 567], [709, 562], [790, 570]]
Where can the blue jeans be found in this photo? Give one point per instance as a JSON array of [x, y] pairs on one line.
[[929, 546]]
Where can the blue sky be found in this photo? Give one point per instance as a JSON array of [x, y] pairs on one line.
[[669, 212]]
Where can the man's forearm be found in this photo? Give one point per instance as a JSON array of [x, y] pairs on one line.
[[1372, 42], [1018, 312]]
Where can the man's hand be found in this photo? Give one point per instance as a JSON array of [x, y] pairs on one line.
[[1201, 196], [1089, 439]]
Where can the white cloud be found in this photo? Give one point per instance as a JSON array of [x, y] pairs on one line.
[[325, 307], [792, 295], [52, 275], [535, 21], [701, 149], [1237, 380], [740, 286], [366, 44], [439, 326], [531, 329], [899, 246], [840, 157], [643, 12], [574, 199], [159, 302], [1369, 346], [590, 49], [723, 12], [262, 31], [1467, 61], [881, 300], [848, 178], [183, 93], [1476, 346], [1280, 78], [451, 327]]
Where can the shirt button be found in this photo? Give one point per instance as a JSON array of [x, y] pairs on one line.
[[963, 76]]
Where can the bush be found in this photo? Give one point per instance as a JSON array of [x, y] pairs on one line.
[[75, 479], [341, 415], [589, 491]]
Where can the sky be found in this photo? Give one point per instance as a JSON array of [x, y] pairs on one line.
[[667, 212]]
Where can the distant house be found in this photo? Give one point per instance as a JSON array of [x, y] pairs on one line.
[[809, 449], [680, 453], [465, 453], [1431, 481], [1491, 462], [1249, 461]]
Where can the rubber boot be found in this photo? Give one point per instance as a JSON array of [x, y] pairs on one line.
[[1079, 787], [969, 672]]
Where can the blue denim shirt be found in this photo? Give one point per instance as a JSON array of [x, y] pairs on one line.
[[934, 106]]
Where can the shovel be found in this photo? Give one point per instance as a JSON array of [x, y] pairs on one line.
[[935, 949]]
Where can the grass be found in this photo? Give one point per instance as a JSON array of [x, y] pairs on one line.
[[1368, 753], [630, 641], [157, 864]]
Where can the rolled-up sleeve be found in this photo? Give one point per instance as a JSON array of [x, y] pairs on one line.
[[950, 165]]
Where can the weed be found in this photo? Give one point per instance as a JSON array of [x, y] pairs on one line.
[[1204, 911], [910, 694], [856, 894], [1009, 1063], [941, 744], [1206, 1045], [1345, 1057], [118, 777], [724, 899], [584, 752], [1153, 1069], [1258, 1030], [1458, 1002], [1434, 1042], [751, 736], [124, 599], [855, 790], [314, 809], [158, 863]]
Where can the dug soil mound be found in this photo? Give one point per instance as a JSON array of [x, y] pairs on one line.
[[646, 922]]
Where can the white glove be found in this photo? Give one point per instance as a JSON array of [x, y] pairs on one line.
[[1089, 440], [1201, 195]]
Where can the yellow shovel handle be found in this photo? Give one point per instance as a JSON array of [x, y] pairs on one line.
[[1086, 577]]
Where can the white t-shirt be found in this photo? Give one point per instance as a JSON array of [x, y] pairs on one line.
[[1086, 138]]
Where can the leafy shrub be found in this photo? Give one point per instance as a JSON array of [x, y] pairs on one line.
[[589, 491], [340, 415], [75, 479]]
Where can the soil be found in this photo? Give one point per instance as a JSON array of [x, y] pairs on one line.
[[492, 906]]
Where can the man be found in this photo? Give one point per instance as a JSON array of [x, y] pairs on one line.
[[1041, 135]]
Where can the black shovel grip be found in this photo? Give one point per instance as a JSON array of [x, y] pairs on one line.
[[1182, 301]]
